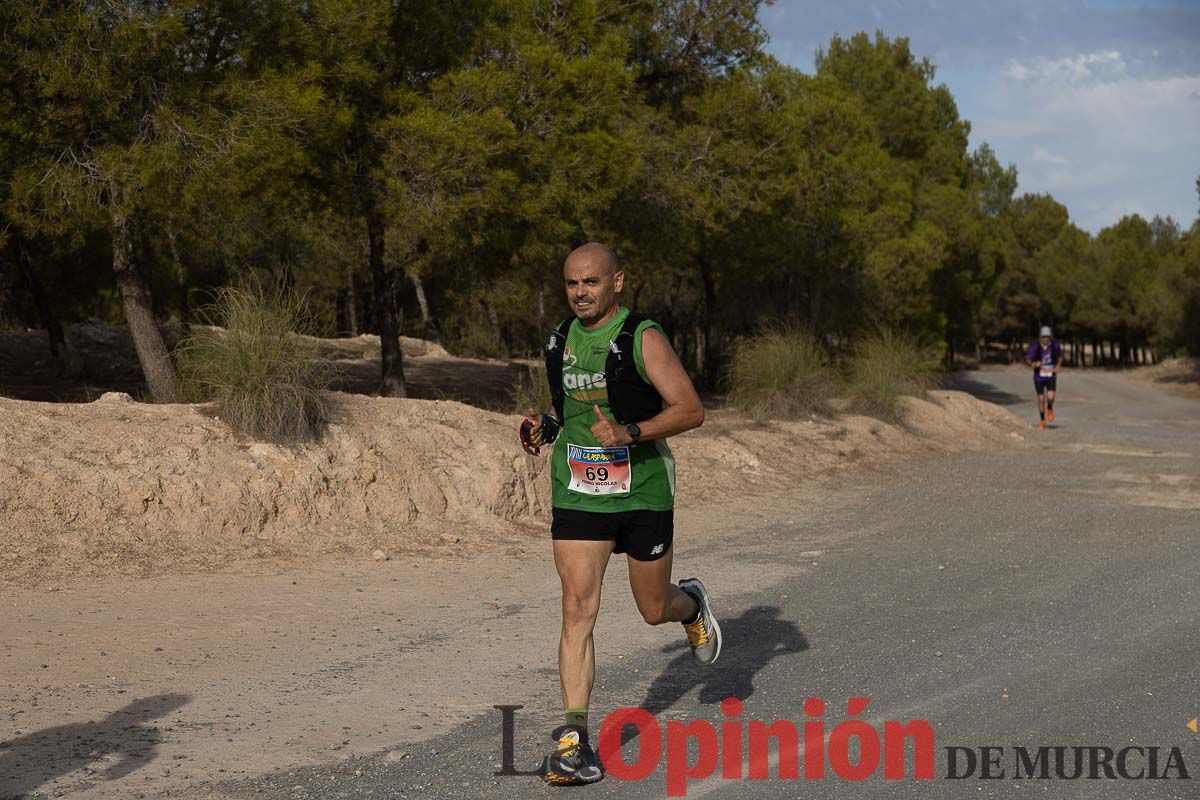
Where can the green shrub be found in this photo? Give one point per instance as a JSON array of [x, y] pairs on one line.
[[779, 373], [531, 389], [886, 365], [264, 380]]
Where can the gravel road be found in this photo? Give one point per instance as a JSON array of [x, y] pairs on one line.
[[1037, 596], [1042, 594]]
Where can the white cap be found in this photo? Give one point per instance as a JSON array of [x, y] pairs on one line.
[[1045, 331]]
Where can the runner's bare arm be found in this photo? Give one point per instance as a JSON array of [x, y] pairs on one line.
[[682, 410]]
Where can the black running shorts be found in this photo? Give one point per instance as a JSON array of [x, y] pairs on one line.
[[644, 535], [1043, 386]]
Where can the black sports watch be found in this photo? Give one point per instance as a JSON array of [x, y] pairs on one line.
[[635, 432]]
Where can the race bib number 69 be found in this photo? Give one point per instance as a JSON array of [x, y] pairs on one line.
[[599, 470]]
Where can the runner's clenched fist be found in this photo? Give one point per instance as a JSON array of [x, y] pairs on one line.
[[607, 432]]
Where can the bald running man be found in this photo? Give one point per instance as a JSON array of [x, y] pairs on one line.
[[619, 392]]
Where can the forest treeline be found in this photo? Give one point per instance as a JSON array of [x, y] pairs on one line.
[[424, 167]]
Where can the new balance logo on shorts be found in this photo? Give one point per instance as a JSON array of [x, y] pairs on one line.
[[658, 548]]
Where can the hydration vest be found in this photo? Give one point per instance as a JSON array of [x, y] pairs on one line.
[[1055, 350], [631, 398]]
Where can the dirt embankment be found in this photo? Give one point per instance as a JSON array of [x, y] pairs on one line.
[[1179, 376], [121, 488]]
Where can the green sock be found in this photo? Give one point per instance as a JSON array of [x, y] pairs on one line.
[[577, 717]]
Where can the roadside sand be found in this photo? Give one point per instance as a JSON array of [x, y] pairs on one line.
[[1178, 376], [121, 488], [124, 678]]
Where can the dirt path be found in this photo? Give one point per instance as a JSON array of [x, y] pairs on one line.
[[128, 687], [198, 678], [1034, 596]]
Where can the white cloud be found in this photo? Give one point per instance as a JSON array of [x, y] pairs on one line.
[[1043, 156], [1078, 68], [1131, 142], [1096, 101]]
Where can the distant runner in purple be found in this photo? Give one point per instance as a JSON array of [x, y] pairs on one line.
[[1045, 356]]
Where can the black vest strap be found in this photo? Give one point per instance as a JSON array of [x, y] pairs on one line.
[[630, 397], [554, 363]]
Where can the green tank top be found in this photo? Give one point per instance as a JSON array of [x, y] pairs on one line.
[[585, 476]]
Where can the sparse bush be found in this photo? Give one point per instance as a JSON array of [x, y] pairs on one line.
[[264, 380], [779, 373], [472, 336], [886, 365], [532, 390]]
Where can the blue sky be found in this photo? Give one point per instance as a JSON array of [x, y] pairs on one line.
[[1096, 101]]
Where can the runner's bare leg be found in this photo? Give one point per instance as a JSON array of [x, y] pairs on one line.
[[657, 598], [581, 566]]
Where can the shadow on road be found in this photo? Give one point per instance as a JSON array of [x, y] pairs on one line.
[[749, 643], [984, 391], [1184, 376], [37, 758]]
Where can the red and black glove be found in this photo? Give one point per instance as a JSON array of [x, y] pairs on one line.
[[549, 428]]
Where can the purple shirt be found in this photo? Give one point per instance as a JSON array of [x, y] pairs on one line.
[[1044, 358]]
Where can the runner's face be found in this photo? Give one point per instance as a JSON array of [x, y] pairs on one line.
[[1046, 341], [592, 287]]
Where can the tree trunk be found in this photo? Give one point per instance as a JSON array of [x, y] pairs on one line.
[[347, 309], [489, 309], [136, 302], [180, 278], [360, 296], [423, 303], [542, 308], [706, 320], [54, 331], [8, 286], [392, 379]]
